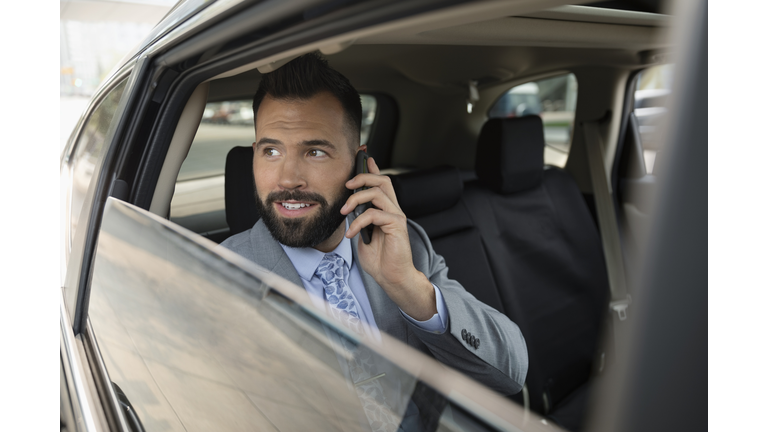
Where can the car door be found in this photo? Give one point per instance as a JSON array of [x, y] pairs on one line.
[[198, 337]]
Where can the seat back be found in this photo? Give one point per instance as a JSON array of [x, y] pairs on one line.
[[432, 198], [545, 254], [239, 190]]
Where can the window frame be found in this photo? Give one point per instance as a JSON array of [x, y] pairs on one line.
[[80, 244]]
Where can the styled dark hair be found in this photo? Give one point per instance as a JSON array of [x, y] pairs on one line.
[[306, 76]]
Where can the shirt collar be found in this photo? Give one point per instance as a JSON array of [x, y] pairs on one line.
[[306, 260]]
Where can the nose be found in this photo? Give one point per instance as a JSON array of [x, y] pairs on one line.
[[291, 175]]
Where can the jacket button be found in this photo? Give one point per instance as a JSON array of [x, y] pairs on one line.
[[464, 334], [471, 340], [477, 343]]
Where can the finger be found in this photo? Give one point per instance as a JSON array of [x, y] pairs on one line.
[[369, 180], [374, 181], [389, 223], [375, 196], [372, 167]]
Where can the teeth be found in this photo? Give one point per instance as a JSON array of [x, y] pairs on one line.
[[291, 206]]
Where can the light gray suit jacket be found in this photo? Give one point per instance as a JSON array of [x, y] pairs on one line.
[[501, 359]]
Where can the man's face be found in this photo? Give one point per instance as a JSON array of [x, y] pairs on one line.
[[302, 159]]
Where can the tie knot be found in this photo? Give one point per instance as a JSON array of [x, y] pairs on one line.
[[332, 269]]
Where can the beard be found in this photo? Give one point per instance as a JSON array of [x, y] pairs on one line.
[[308, 231]]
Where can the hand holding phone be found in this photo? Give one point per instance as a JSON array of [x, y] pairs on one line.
[[361, 167], [389, 261]]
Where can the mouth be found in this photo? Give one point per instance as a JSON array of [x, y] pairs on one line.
[[294, 208]]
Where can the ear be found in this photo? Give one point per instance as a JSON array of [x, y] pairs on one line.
[[363, 147]]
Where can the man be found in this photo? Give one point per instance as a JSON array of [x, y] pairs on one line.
[[307, 119]]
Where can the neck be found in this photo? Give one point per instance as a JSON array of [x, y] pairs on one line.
[[334, 240]]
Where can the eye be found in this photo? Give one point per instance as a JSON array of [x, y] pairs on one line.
[[271, 151], [316, 153]]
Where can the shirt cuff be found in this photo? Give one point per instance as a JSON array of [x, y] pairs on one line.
[[436, 324]]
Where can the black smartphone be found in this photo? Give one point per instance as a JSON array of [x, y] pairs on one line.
[[361, 166]]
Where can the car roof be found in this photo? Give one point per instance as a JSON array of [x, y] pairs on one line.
[[499, 43]]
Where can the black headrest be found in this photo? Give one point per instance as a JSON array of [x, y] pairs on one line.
[[239, 197], [510, 154], [424, 192]]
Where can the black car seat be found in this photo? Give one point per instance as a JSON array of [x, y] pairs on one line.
[[546, 257], [432, 198], [239, 198]]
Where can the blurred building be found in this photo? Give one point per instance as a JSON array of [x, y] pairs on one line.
[[96, 34]]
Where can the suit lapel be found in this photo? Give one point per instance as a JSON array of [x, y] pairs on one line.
[[268, 253], [385, 311]]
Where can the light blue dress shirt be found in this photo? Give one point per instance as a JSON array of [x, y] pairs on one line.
[[306, 260]]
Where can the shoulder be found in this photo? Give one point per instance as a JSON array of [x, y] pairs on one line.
[[239, 243]]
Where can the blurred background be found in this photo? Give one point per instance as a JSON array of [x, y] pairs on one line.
[[94, 36]]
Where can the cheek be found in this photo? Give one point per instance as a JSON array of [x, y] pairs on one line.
[[265, 178], [333, 178]]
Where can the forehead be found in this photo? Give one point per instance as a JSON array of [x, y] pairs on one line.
[[322, 112]]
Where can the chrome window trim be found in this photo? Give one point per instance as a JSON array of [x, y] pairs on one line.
[[79, 393]]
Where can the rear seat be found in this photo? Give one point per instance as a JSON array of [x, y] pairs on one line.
[[531, 228], [432, 198]]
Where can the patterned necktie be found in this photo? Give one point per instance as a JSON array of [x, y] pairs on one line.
[[343, 306]]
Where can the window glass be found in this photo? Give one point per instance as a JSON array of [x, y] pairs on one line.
[[224, 125], [88, 152], [651, 95], [198, 202], [554, 100], [198, 343]]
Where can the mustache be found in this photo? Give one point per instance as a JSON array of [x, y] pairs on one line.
[[295, 196]]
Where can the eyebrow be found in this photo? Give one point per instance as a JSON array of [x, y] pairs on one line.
[[265, 141], [307, 143], [318, 143]]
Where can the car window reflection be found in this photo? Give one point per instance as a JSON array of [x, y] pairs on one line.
[[194, 341]]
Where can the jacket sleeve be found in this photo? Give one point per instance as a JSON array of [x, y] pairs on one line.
[[497, 356]]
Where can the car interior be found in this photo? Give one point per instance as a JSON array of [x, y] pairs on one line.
[[505, 194]]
